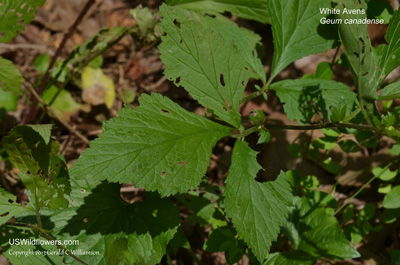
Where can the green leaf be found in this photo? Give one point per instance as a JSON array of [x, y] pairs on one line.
[[314, 233], [29, 254], [220, 239], [10, 77], [43, 172], [379, 9], [297, 31], [64, 105], [390, 58], [265, 137], [388, 175], [261, 208], [135, 233], [9, 206], [324, 71], [348, 213], [391, 91], [367, 212], [392, 199], [159, 146], [249, 9], [303, 97], [294, 150], [15, 14], [358, 50], [211, 68], [8, 101]]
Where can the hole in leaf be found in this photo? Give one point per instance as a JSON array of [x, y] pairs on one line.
[[22, 6], [177, 80], [177, 23], [247, 69], [242, 83], [180, 41], [363, 45], [181, 163], [164, 34], [364, 74], [163, 174], [211, 15], [165, 111], [85, 220], [357, 55], [221, 79], [83, 191]]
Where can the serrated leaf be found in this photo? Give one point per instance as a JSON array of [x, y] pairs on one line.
[[303, 97], [135, 233], [297, 31], [256, 209], [390, 58], [249, 9], [9, 206], [392, 199], [244, 40], [10, 77], [314, 233], [28, 254], [211, 68], [391, 91], [15, 14], [43, 172], [159, 146], [358, 51]]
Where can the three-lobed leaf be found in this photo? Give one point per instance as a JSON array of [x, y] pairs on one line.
[[159, 146], [256, 209], [211, 68], [248, 9], [297, 31]]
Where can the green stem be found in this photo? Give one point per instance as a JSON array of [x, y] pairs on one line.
[[257, 93], [318, 126], [364, 186]]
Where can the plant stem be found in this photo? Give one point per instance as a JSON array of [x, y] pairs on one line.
[[34, 109], [51, 111], [48, 237], [318, 126], [257, 93], [364, 186], [336, 54]]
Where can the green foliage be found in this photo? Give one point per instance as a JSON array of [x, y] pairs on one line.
[[305, 98], [308, 224], [392, 199], [297, 31], [255, 10], [15, 14], [210, 67], [261, 206], [9, 206], [158, 145], [10, 77]]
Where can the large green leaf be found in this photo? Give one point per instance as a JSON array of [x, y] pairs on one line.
[[159, 146], [135, 233], [249, 9], [257, 209], [14, 15], [358, 50], [314, 233], [9, 206], [10, 77], [303, 97], [390, 58], [17, 246], [210, 67], [297, 30]]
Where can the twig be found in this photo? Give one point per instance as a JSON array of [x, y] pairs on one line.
[[34, 109], [17, 46], [51, 111], [48, 237]]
